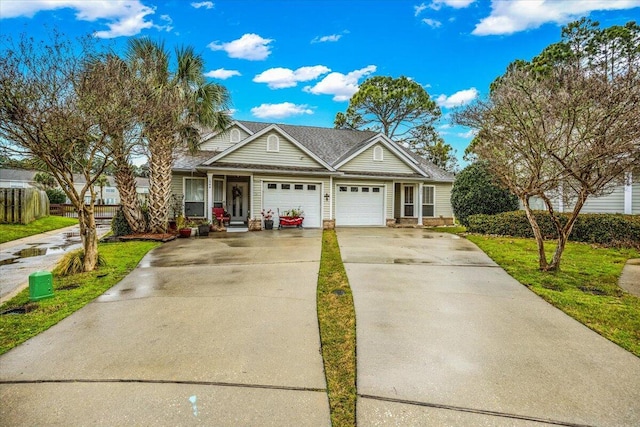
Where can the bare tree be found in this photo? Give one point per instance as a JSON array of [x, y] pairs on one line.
[[566, 125], [43, 115]]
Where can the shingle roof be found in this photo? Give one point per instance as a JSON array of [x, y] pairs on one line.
[[330, 145]]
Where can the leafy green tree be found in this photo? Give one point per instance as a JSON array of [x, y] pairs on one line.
[[565, 124], [56, 196], [402, 110], [45, 180], [173, 106], [477, 191]]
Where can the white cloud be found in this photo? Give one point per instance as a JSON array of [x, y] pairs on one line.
[[418, 9], [458, 99], [167, 27], [508, 17], [222, 74], [341, 86], [280, 111], [124, 18], [329, 38], [205, 4], [279, 78], [249, 46], [456, 4], [432, 22], [469, 134]]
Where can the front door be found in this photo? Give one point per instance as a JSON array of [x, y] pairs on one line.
[[238, 197]]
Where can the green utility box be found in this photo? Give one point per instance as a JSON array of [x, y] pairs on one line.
[[40, 285]]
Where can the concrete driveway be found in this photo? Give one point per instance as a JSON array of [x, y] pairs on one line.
[[445, 337], [209, 331]]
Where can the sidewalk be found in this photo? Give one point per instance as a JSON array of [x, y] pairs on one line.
[[630, 277], [19, 258]]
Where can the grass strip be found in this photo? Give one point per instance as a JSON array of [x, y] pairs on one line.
[[337, 321], [9, 232], [121, 257], [586, 288]]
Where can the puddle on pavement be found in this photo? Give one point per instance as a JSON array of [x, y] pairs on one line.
[[70, 234], [410, 261], [9, 261], [30, 252]]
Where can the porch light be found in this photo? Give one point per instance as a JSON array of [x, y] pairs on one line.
[[326, 197]]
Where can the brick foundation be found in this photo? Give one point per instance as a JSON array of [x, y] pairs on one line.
[[255, 224], [328, 224], [437, 222]]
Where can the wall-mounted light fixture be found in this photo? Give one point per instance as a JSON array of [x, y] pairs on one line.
[[326, 197]]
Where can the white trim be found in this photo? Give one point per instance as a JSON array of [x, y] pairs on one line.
[[331, 196], [628, 193], [232, 133], [251, 200], [264, 131], [270, 141], [209, 196], [378, 153], [434, 200], [389, 144], [420, 187]]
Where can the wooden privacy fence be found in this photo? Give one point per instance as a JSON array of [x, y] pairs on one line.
[[22, 205]]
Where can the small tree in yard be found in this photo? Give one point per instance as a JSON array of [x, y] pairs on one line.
[[45, 114], [476, 191], [567, 124]]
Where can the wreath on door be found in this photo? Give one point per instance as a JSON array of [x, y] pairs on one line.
[[237, 192]]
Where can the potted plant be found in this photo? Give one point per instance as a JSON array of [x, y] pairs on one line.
[[193, 225], [291, 218], [181, 225], [203, 227], [268, 219]]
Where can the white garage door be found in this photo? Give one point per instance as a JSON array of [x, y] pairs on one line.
[[359, 205], [294, 195]]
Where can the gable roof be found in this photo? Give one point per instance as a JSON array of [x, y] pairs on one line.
[[330, 147]]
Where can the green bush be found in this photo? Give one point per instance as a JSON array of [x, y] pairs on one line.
[[475, 191], [56, 196], [119, 224], [605, 229]]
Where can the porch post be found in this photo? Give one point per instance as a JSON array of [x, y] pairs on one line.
[[209, 195], [628, 194], [419, 207]]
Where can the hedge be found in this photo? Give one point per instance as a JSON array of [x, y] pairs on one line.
[[605, 229]]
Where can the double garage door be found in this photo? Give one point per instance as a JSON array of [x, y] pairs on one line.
[[294, 195], [359, 205]]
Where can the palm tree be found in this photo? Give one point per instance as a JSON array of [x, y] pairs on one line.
[[101, 181], [173, 106]]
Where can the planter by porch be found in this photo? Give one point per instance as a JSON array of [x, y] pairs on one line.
[[268, 224], [203, 230], [184, 232]]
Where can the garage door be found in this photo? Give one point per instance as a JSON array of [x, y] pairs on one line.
[[359, 205], [294, 195]]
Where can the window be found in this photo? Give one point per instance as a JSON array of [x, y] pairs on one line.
[[377, 154], [408, 200], [273, 143], [365, 189], [376, 189], [354, 189], [272, 186], [428, 200], [218, 194], [298, 187], [235, 135], [311, 187], [285, 186], [343, 189], [194, 196]]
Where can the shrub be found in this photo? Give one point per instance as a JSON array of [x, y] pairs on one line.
[[475, 191], [56, 196], [73, 263], [605, 229], [119, 224]]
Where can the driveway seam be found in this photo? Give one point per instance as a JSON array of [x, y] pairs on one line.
[[472, 410], [182, 382]]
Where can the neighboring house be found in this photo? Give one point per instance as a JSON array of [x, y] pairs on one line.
[[625, 199], [20, 178], [338, 177]]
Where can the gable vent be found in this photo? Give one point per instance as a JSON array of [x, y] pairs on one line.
[[235, 135], [273, 143], [377, 154]]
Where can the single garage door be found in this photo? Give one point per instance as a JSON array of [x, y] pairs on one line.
[[294, 195], [359, 205]]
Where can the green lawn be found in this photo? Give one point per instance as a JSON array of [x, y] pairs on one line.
[[9, 232], [121, 258], [586, 288], [337, 321]]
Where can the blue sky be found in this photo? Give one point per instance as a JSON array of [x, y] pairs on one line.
[[298, 62]]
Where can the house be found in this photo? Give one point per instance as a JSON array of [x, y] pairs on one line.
[[337, 177], [22, 178], [624, 199]]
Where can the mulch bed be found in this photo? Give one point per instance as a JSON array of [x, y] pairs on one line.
[[158, 237]]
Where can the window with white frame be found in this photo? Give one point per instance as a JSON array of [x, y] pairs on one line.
[[273, 143], [218, 193], [234, 135], [378, 154], [428, 201], [194, 196]]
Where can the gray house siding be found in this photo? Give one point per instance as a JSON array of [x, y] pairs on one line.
[[443, 199], [364, 162]]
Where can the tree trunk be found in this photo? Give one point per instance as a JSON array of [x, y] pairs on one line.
[[542, 257], [565, 232], [126, 182], [88, 235], [160, 162]]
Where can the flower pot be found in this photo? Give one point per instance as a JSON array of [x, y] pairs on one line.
[[184, 232], [203, 230], [268, 224]]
